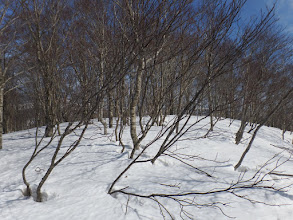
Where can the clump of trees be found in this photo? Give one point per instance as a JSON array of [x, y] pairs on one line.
[[165, 53], [135, 62]]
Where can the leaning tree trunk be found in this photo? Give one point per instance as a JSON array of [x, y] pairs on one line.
[[241, 129], [240, 132], [263, 122]]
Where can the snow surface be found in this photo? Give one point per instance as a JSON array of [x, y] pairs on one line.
[[77, 188]]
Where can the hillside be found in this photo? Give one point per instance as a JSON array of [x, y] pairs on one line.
[[77, 188]]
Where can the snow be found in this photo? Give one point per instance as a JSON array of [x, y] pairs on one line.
[[77, 188]]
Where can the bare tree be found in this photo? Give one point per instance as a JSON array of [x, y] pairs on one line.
[[84, 87], [225, 15], [265, 119], [262, 74], [147, 26], [139, 61], [7, 51], [45, 28]]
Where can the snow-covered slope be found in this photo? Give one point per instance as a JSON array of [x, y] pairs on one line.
[[77, 188]]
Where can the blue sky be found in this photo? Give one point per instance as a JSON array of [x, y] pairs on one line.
[[284, 11]]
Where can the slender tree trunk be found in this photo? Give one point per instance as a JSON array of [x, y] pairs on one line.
[[210, 106], [110, 109], [49, 121], [132, 111], [247, 148], [118, 118], [240, 132], [123, 101], [161, 116], [209, 73], [179, 104], [171, 107], [1, 112], [38, 192], [101, 119], [265, 120], [103, 65]]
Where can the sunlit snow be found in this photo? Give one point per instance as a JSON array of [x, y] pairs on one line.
[[77, 188]]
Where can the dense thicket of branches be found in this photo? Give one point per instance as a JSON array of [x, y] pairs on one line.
[[165, 50], [123, 60]]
